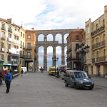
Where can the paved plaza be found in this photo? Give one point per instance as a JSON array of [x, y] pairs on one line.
[[41, 90]]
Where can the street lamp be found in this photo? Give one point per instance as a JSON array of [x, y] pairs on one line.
[[82, 50], [54, 58]]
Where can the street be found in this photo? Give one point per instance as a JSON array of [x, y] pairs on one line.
[[41, 90]]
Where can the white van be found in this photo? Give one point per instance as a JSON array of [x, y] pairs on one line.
[[24, 69]]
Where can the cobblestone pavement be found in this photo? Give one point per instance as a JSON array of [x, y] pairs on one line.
[[40, 90]]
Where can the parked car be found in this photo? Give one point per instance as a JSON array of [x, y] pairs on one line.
[[78, 79], [63, 73], [52, 71]]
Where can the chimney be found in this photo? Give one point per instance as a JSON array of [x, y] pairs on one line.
[[32, 28], [9, 20]]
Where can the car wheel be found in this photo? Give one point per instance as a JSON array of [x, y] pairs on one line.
[[66, 85], [75, 86], [91, 87]]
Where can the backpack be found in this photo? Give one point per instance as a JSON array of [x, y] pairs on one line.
[[7, 77]]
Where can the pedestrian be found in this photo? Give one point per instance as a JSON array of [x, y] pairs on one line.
[[57, 72], [8, 79], [22, 72], [0, 77]]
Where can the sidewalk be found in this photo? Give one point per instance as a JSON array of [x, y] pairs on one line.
[[100, 81]]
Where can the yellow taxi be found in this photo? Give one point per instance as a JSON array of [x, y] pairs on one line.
[[52, 70]]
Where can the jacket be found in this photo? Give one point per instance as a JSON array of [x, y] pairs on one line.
[[8, 76]]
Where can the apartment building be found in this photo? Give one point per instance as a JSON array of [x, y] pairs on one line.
[[12, 41], [96, 38], [30, 41], [74, 39]]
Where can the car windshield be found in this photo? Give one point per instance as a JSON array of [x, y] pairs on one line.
[[52, 69], [80, 75]]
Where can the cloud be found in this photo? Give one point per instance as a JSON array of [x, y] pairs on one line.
[[51, 14]]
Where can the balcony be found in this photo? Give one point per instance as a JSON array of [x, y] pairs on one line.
[[98, 59], [27, 56], [97, 31], [21, 55], [98, 45], [28, 48]]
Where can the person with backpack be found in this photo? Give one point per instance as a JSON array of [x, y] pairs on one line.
[[8, 79]]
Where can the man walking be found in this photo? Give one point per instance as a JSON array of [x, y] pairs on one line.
[[8, 79]]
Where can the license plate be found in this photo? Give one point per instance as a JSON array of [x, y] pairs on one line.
[[87, 85]]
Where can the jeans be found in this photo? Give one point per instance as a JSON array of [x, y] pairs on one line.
[[7, 86]]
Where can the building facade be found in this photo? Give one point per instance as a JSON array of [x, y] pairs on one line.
[[11, 41], [74, 39], [30, 41], [96, 38]]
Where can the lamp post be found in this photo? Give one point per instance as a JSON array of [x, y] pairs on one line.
[[54, 58], [82, 50]]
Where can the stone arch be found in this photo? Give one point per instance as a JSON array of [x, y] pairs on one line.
[[58, 55], [49, 56], [40, 37], [58, 37], [40, 56], [49, 37], [65, 53]]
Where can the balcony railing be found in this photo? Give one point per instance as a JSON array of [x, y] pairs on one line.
[[98, 45], [99, 30], [28, 48], [98, 59], [21, 55], [27, 56]]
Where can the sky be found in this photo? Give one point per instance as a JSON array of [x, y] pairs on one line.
[[51, 14]]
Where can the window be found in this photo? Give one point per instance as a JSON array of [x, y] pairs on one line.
[[2, 44], [2, 34], [16, 37], [23, 45], [9, 35], [2, 57], [28, 45], [3, 26], [28, 36], [29, 54], [9, 46], [97, 40], [77, 46], [96, 26], [103, 22], [103, 36], [77, 37]]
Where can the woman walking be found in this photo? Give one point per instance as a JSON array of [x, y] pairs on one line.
[[8, 79]]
